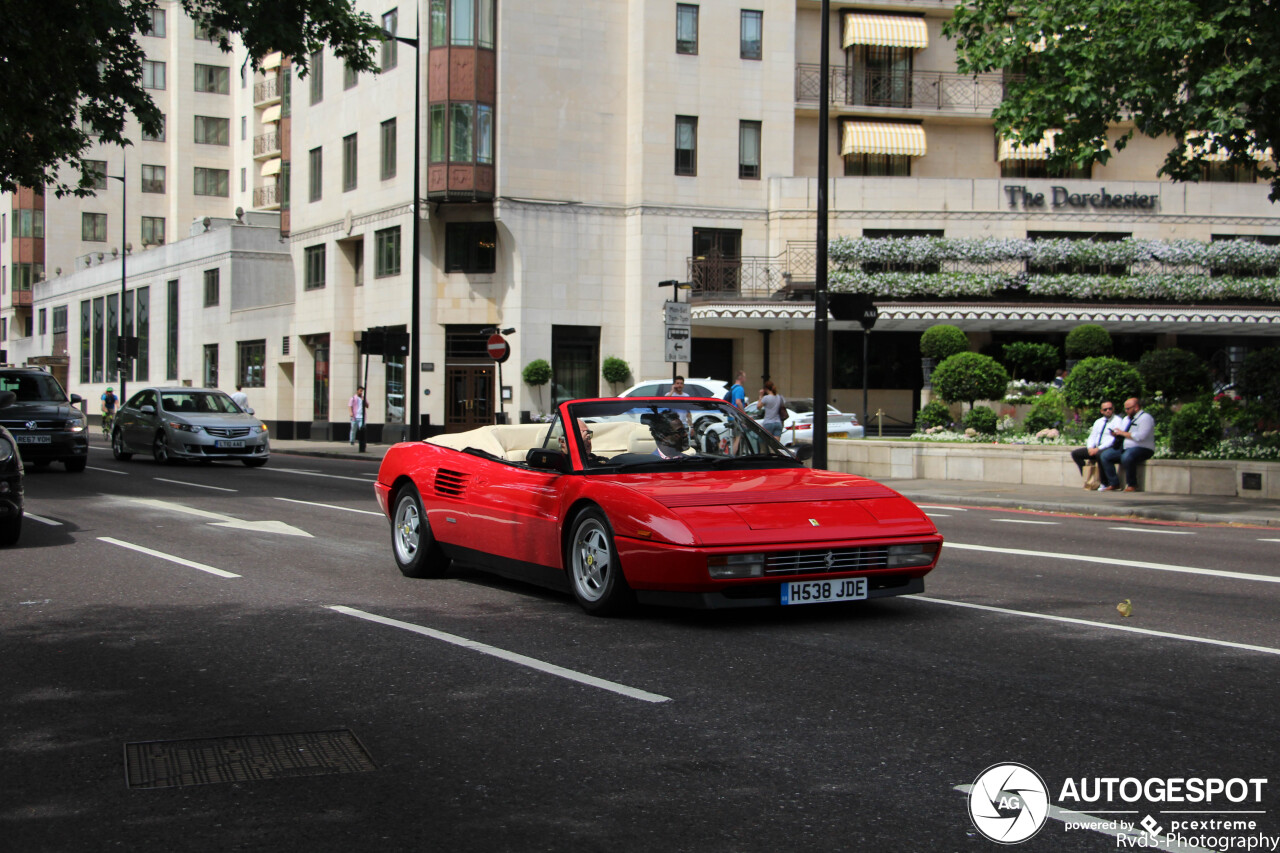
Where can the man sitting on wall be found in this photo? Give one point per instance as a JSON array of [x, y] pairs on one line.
[[1135, 442], [1100, 438]]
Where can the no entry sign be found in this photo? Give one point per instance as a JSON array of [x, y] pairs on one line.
[[499, 349]]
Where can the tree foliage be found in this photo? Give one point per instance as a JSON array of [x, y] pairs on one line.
[[1174, 373], [1097, 379], [1088, 340], [73, 72], [1032, 360], [614, 370], [970, 376], [1204, 75], [943, 341], [1260, 379]]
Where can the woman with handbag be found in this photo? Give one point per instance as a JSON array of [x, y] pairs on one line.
[[774, 407]]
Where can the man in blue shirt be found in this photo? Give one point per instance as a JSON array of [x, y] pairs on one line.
[[738, 393], [1134, 442]]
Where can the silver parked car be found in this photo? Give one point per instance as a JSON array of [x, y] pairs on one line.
[[188, 423]]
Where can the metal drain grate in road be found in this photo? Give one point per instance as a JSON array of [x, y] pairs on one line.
[[204, 761]]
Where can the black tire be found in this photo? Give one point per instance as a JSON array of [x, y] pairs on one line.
[[76, 464], [595, 572], [10, 530], [417, 553], [254, 463], [160, 450], [117, 446]]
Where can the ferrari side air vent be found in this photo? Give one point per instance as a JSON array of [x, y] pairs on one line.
[[451, 483]]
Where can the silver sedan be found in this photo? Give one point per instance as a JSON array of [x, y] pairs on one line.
[[188, 423]]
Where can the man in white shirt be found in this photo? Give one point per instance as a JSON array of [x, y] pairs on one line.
[[1135, 442], [1100, 439]]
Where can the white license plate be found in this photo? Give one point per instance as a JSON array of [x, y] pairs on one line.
[[228, 444], [817, 592], [32, 439]]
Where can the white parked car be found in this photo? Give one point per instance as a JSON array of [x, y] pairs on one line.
[[798, 427], [693, 387]]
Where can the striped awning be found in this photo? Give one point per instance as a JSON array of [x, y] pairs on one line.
[[271, 167], [271, 114], [885, 30], [1010, 150], [1221, 155], [271, 60], [878, 137]]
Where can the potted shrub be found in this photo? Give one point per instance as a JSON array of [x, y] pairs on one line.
[[937, 344], [1087, 341], [536, 374], [615, 371]]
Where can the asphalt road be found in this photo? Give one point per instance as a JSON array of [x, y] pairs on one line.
[[147, 604]]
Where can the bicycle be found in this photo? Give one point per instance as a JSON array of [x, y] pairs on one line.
[[108, 418]]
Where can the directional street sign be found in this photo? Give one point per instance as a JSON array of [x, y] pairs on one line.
[[679, 325]]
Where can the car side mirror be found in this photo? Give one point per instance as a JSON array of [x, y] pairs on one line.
[[249, 410], [547, 460], [76, 398], [148, 410], [803, 452], [7, 398]]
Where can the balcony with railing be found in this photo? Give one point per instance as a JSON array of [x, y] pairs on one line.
[[941, 91], [266, 198], [266, 145], [267, 91], [788, 275]]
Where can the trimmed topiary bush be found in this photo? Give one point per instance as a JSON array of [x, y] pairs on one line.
[[943, 341], [981, 419], [615, 371], [970, 376], [1088, 341], [934, 414], [1195, 427], [1096, 379], [1048, 412], [536, 374], [1035, 361], [1174, 374]]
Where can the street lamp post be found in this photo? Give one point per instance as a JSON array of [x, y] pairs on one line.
[[122, 340], [820, 285], [415, 301]]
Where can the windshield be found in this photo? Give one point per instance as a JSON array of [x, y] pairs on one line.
[[33, 387], [634, 432], [198, 402]]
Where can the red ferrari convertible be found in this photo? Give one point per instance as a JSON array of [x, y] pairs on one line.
[[667, 500]]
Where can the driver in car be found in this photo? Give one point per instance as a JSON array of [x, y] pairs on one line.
[[670, 435]]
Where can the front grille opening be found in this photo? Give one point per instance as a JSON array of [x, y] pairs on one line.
[[827, 562]]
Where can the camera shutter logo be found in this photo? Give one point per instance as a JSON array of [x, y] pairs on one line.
[[1009, 803]]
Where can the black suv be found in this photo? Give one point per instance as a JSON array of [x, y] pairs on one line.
[[45, 424]]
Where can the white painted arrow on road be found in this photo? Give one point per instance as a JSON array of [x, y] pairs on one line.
[[219, 520]]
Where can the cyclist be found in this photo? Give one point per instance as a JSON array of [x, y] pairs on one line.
[[108, 409]]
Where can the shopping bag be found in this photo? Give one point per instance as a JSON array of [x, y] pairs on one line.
[[1092, 478]]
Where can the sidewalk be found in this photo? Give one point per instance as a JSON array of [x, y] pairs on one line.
[[1073, 501]]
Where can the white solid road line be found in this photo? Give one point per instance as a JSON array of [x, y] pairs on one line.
[[1072, 621], [170, 557], [195, 485], [1115, 561], [948, 508], [107, 470], [1022, 521], [937, 515], [513, 657], [332, 506], [364, 480], [1155, 530], [42, 520], [1097, 823]]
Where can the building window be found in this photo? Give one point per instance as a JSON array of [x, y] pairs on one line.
[[143, 330], [26, 274], [86, 342], [212, 284], [171, 333], [28, 223], [686, 145], [213, 78], [575, 362], [879, 76], [460, 150], [153, 231], [244, 179], [388, 149], [215, 182], [98, 168], [204, 32], [211, 365], [152, 179], [436, 132], [155, 137], [244, 128], [1229, 173], [316, 171], [155, 24], [42, 321], [313, 259], [749, 149], [717, 258], [439, 23], [350, 156], [60, 320], [686, 28], [470, 247], [93, 227], [98, 308], [320, 378], [390, 23], [484, 133], [1040, 169], [386, 246], [751, 37], [316, 70], [152, 74], [462, 23], [350, 77], [251, 359], [213, 131], [877, 165]]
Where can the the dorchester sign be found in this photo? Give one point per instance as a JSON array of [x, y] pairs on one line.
[[1059, 198]]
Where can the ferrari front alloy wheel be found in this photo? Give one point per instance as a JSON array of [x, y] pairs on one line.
[[417, 553], [595, 571]]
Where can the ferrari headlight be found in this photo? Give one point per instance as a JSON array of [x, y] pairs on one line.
[[185, 427], [736, 566], [916, 554]]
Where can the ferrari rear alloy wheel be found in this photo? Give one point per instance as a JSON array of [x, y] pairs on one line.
[[594, 568], [417, 553]]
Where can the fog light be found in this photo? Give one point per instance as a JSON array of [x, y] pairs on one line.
[[915, 554], [736, 566]]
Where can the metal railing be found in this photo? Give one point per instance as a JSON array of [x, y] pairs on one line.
[[268, 196], [788, 275], [266, 143], [267, 90], [921, 90]]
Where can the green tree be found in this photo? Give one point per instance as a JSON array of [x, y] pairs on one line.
[[536, 374], [970, 376], [1199, 73], [615, 371], [75, 72], [1033, 360], [1096, 379], [1174, 373], [1088, 341], [1260, 379], [943, 341]]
